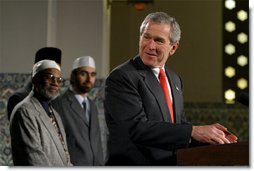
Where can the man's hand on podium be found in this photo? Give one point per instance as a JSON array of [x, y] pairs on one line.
[[231, 137], [213, 134]]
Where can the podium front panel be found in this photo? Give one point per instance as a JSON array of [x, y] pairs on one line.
[[236, 154]]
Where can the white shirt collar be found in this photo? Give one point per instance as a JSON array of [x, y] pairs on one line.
[[79, 97], [156, 71]]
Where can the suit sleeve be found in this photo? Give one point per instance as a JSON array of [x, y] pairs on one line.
[[125, 112], [12, 102]]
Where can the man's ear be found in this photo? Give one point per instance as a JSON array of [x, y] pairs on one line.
[[174, 47]]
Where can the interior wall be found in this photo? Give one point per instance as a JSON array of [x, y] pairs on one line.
[[198, 60], [79, 31], [23, 30], [76, 28]]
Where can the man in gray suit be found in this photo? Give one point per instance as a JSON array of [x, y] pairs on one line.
[[51, 53], [37, 133], [80, 116], [147, 124]]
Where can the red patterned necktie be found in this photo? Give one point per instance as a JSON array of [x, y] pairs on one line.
[[164, 86]]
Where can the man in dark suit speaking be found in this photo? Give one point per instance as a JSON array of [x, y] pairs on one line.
[[144, 102]]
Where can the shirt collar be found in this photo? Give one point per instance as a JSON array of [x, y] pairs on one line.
[[79, 97], [156, 71]]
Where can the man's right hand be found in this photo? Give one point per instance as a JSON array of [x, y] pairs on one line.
[[213, 134]]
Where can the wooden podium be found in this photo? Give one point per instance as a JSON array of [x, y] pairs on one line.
[[236, 154]]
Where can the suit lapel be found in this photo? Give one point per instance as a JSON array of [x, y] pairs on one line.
[[76, 108], [93, 115], [94, 127], [50, 128], [154, 86]]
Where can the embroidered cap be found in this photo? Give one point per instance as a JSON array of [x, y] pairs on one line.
[[83, 61], [44, 64]]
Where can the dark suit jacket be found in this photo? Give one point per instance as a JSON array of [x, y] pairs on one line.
[[84, 141], [140, 128], [18, 96]]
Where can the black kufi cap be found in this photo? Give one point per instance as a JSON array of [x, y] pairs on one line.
[[50, 53]]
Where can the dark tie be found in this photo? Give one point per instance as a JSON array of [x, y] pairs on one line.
[[164, 86], [85, 108]]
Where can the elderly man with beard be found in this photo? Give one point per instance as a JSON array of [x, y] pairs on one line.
[[51, 53], [37, 133], [80, 116]]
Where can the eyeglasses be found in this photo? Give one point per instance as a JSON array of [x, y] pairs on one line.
[[52, 78]]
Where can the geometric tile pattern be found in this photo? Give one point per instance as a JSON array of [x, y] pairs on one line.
[[235, 117]]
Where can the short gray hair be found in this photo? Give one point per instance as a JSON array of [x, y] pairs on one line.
[[163, 18]]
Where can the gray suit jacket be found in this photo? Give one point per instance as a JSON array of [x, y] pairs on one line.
[[34, 140], [140, 127], [84, 141]]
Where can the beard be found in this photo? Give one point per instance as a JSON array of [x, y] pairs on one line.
[[85, 87], [47, 93]]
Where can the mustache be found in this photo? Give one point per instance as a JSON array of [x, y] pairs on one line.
[[87, 82], [46, 93]]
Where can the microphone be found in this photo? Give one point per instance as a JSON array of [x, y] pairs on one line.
[[243, 98]]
